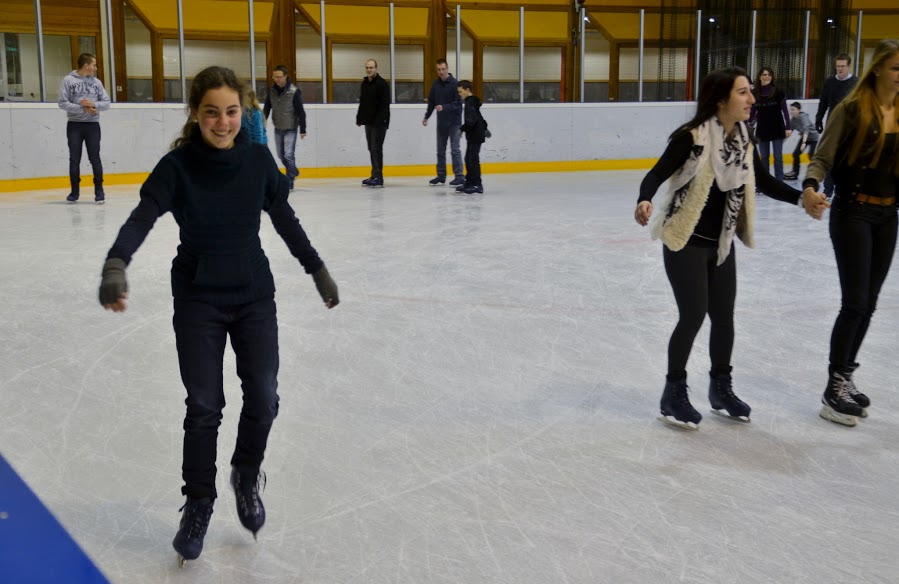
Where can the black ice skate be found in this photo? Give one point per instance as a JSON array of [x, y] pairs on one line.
[[250, 509], [838, 405], [188, 541], [858, 397], [722, 397], [676, 408]]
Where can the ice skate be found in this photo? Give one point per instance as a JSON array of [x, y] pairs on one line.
[[838, 405], [858, 397], [376, 183], [723, 400], [676, 408], [188, 541], [250, 509]]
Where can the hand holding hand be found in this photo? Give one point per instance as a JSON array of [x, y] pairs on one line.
[[113, 285], [643, 212], [814, 203], [326, 287]]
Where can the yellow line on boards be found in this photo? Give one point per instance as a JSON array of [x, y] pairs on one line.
[[136, 178]]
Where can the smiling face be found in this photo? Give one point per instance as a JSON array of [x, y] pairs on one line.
[[739, 105], [219, 117]]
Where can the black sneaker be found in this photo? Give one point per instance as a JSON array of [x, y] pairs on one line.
[[838, 405], [72, 198], [99, 197], [250, 509], [676, 408], [188, 541], [722, 397], [437, 181], [457, 181]]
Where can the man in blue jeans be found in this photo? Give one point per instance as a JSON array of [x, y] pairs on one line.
[[285, 102], [444, 97], [83, 97]]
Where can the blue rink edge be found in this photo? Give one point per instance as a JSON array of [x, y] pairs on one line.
[[34, 547]]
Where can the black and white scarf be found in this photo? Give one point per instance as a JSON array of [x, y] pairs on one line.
[[714, 159]]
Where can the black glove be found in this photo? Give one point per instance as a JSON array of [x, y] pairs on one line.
[[113, 285], [819, 126], [326, 286]]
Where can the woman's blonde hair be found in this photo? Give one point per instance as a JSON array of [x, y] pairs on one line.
[[864, 96], [209, 78], [252, 102]]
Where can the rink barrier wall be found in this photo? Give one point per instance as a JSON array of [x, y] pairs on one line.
[[526, 138]]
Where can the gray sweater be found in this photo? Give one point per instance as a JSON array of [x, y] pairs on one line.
[[802, 124], [74, 88]]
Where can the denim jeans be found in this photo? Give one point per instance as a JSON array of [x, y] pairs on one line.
[[200, 334], [765, 155], [374, 137], [864, 240], [454, 134], [286, 144], [87, 133]]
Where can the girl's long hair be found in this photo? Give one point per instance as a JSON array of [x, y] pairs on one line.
[[716, 87], [252, 102], [209, 78], [864, 96]]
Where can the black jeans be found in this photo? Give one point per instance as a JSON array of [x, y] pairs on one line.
[[864, 240], [473, 163], [701, 287], [87, 133], [797, 152], [200, 334], [374, 137]]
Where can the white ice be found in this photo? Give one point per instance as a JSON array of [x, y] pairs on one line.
[[480, 408]]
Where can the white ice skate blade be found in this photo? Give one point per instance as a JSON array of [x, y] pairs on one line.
[[724, 414], [672, 421], [828, 413], [864, 413], [182, 561]]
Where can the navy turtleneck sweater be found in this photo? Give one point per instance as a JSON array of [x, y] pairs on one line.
[[217, 198]]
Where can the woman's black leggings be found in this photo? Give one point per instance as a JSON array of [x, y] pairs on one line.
[[701, 287], [864, 240]]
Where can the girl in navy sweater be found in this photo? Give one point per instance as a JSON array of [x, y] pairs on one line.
[[216, 182]]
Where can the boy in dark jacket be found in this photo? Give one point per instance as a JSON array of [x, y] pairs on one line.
[[475, 130]]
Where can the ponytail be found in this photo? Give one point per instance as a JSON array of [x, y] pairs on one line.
[[186, 131]]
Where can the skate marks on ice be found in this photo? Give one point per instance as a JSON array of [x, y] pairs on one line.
[[479, 409]]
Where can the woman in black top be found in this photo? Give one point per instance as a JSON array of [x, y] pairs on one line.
[[860, 148], [713, 172], [772, 120], [216, 182]]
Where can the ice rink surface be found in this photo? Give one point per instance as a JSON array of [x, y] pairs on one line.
[[480, 408]]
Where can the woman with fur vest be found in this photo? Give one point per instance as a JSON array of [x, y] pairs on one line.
[[713, 170]]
